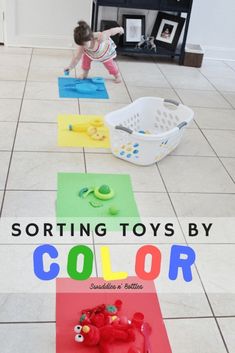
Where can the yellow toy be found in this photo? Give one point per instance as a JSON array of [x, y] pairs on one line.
[[91, 130], [81, 127], [96, 133], [99, 135], [84, 127], [97, 122]]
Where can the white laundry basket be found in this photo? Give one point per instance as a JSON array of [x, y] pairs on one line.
[[148, 129]]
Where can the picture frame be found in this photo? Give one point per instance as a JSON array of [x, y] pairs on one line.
[[134, 27], [167, 30]]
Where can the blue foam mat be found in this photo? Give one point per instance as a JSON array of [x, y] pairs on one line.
[[88, 88]]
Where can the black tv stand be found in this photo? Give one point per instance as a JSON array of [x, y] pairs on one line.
[[175, 6]]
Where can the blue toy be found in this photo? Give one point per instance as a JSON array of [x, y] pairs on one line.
[[97, 80], [87, 88], [66, 72]]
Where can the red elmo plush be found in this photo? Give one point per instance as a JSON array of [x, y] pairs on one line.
[[102, 337]]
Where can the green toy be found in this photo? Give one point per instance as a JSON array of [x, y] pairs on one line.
[[104, 192], [95, 204], [113, 210], [84, 192]]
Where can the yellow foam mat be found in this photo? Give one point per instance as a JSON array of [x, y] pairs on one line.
[[82, 131]]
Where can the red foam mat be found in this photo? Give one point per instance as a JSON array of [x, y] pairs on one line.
[[73, 296]]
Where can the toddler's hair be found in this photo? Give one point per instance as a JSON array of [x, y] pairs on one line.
[[82, 33]]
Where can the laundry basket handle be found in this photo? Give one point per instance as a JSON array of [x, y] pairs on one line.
[[123, 128], [184, 123], [172, 101]]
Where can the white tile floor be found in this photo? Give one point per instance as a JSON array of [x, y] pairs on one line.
[[197, 180]]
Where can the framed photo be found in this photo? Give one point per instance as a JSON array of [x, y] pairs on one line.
[[134, 27], [167, 30]]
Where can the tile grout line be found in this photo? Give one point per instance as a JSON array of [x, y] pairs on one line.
[[217, 90], [16, 130], [118, 102], [124, 82], [169, 83], [202, 284], [231, 67], [109, 153], [95, 254], [118, 244], [73, 100], [83, 149], [164, 318], [196, 317], [211, 129], [51, 243], [209, 303], [212, 310], [135, 191], [106, 153], [26, 322], [219, 157], [45, 152], [216, 155], [172, 204], [85, 166], [55, 123], [233, 179], [84, 160], [41, 99]]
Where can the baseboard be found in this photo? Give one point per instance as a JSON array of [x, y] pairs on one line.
[[61, 42], [219, 53], [215, 53], [23, 45]]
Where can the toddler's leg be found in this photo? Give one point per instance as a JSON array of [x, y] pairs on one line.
[[86, 65], [112, 68]]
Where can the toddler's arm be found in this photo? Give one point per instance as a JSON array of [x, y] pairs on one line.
[[112, 32], [76, 58]]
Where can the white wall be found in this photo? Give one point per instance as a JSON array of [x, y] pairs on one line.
[[212, 25], [44, 23], [1, 22]]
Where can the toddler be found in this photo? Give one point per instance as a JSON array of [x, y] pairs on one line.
[[95, 46]]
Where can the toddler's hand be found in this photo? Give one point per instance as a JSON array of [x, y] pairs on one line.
[[67, 71], [121, 30]]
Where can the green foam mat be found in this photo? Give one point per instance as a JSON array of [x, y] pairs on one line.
[[71, 208]]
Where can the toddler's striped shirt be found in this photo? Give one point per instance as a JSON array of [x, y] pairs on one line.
[[105, 51]]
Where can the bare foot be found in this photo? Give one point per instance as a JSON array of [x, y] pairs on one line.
[[83, 75], [118, 78]]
